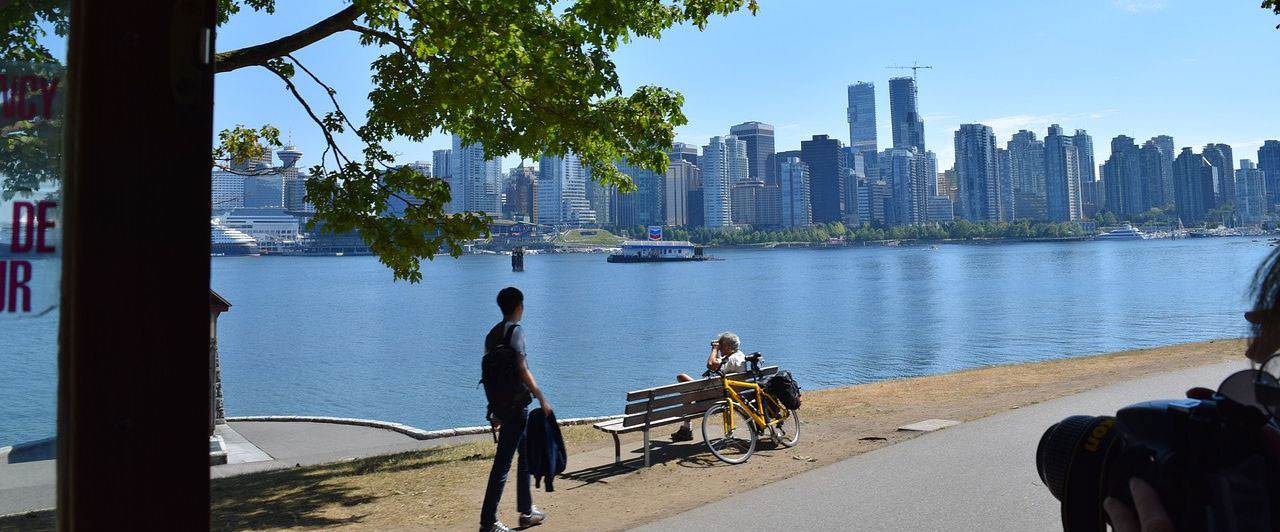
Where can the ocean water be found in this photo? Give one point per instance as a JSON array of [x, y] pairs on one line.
[[337, 336]]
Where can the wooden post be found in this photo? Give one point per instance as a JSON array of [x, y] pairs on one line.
[[132, 367]]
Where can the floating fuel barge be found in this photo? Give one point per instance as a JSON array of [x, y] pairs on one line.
[[659, 251]]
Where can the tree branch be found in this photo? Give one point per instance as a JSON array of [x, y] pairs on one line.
[[260, 53], [323, 129]]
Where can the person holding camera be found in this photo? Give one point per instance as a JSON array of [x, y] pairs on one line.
[[1210, 462], [725, 356]]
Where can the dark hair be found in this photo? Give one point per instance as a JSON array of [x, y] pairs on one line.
[[1266, 290], [509, 299]]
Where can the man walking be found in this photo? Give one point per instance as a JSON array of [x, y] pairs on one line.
[[510, 419]]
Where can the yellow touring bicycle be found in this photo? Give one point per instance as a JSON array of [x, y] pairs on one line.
[[731, 427]]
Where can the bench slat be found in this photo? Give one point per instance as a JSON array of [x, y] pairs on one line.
[[619, 429], [693, 385], [695, 408], [697, 395]]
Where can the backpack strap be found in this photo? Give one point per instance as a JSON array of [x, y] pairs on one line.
[[506, 338]]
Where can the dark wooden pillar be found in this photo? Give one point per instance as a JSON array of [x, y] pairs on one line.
[[133, 366]]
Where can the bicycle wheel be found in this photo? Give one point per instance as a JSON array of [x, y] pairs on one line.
[[731, 445], [786, 432]]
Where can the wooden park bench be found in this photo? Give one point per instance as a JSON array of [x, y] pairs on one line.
[[667, 405]]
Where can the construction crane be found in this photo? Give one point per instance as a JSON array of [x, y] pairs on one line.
[[915, 65]]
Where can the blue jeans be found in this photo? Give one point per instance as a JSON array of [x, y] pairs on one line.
[[510, 441]]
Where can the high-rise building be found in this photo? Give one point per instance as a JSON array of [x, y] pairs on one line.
[[1062, 176], [904, 114], [826, 177], [758, 141], [1194, 179], [940, 209], [562, 191], [723, 162], [1125, 189], [1251, 193], [977, 171], [1157, 167], [793, 180], [686, 152], [1026, 175], [675, 192], [748, 195], [862, 128], [1166, 146], [1269, 163], [644, 205], [1004, 165], [476, 180], [520, 199], [902, 169], [1220, 156], [228, 190], [1084, 148], [440, 163]]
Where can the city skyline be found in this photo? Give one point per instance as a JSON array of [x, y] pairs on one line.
[[970, 83]]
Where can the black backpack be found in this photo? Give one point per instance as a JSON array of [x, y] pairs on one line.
[[499, 373], [784, 388]]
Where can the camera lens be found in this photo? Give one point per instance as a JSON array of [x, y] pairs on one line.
[[1073, 459]]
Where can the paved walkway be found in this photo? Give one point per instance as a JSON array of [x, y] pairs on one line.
[[979, 475]]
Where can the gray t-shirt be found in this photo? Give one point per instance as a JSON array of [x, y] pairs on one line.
[[498, 331]]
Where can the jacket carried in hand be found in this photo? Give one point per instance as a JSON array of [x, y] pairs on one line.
[[547, 455]]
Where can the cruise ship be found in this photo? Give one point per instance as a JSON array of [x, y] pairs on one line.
[[224, 241], [1128, 232]]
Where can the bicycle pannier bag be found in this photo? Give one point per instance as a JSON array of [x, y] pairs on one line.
[[783, 387]]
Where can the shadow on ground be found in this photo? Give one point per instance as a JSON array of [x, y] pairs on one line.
[[306, 497]]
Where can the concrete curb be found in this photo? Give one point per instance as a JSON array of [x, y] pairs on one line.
[[412, 432]]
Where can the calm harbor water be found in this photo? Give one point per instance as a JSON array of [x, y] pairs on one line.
[[336, 336]]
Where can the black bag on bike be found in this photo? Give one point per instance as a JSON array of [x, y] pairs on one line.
[[784, 388], [499, 373]]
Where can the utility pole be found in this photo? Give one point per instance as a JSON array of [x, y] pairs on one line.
[[915, 66]]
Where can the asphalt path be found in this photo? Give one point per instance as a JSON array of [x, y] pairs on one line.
[[979, 475]]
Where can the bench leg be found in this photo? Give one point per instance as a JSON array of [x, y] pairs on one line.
[[617, 449], [646, 447]]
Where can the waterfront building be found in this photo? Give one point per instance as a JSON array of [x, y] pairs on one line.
[[520, 199], [1157, 168], [723, 162], [228, 190], [902, 170], [642, 207], [476, 180], [953, 184], [675, 192], [826, 177], [757, 138], [1030, 206], [685, 152], [562, 191], [1166, 146], [1195, 182], [1062, 176], [978, 173], [748, 196], [1122, 175], [879, 202], [940, 209], [1251, 193], [904, 114], [295, 181], [793, 180], [440, 163], [1084, 148], [264, 189], [1026, 173], [1269, 163], [863, 145], [1220, 156], [1004, 166]]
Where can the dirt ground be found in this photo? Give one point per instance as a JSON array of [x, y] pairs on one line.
[[442, 488]]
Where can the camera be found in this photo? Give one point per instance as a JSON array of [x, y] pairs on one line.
[[1206, 458]]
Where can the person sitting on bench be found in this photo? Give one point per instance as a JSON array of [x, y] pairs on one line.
[[726, 357]]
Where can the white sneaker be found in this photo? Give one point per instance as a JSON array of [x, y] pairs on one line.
[[533, 518]]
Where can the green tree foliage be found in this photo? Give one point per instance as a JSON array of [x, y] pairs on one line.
[[838, 233]]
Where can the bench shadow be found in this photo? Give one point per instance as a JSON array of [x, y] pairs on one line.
[[304, 497], [659, 452]]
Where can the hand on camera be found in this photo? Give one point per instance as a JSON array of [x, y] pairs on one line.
[[1150, 515]]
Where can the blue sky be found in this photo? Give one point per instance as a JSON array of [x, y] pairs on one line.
[[1200, 71]]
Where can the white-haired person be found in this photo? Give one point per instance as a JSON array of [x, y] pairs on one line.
[[726, 356]]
